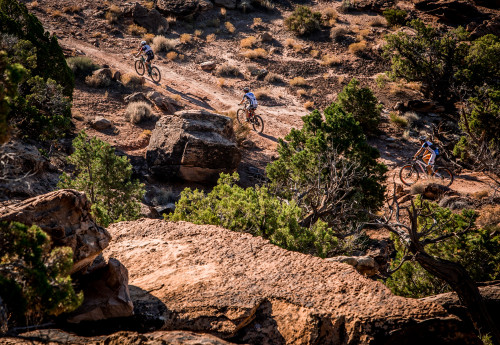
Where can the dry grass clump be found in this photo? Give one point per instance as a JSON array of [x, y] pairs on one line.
[[56, 14], [489, 215], [136, 30], [338, 33], [330, 60], [221, 82], [197, 33], [314, 53], [378, 22], [34, 4], [255, 53], [398, 120], [291, 43], [301, 93], [149, 5], [298, 81], [248, 42], [257, 21], [98, 80], [172, 56], [171, 20], [163, 44], [411, 117], [185, 38], [309, 105], [210, 38], [113, 14], [137, 112], [148, 38], [227, 70], [230, 27], [358, 48], [223, 12], [132, 81], [262, 93], [72, 9], [330, 16], [273, 78]]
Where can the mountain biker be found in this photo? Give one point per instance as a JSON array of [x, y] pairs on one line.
[[430, 152], [252, 102], [149, 53]]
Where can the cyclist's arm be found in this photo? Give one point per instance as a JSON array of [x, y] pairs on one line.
[[418, 153], [242, 100]]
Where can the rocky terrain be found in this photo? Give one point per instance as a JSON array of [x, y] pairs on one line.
[[156, 282]]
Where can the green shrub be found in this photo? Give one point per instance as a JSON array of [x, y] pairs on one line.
[[399, 121], [395, 16], [362, 104], [477, 250], [303, 21], [255, 211], [105, 178], [330, 171], [34, 280], [82, 66]]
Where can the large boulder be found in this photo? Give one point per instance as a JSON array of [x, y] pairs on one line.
[[65, 216], [449, 11], [194, 145], [178, 8], [25, 172], [236, 286], [106, 294], [230, 4], [152, 20]]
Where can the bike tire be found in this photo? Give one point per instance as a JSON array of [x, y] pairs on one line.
[[155, 74], [241, 116], [139, 67], [408, 174], [258, 124], [444, 175]]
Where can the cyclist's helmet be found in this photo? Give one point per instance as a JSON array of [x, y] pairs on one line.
[[143, 43], [246, 89], [422, 138]]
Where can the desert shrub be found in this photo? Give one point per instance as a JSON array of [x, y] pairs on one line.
[[136, 30], [210, 38], [248, 42], [314, 53], [81, 65], [330, 171], [309, 105], [106, 179], [477, 250], [303, 21], [132, 81], [56, 14], [358, 47], [148, 38], [330, 60], [362, 104], [221, 82], [197, 33], [347, 6], [113, 15], [227, 70], [338, 33], [262, 93], [273, 78], [395, 16], [163, 44], [381, 80], [186, 38], [72, 9], [258, 53], [35, 280], [330, 16], [398, 120], [377, 22], [257, 21], [255, 211], [298, 81], [172, 56], [301, 93], [98, 80], [230, 27], [137, 112]]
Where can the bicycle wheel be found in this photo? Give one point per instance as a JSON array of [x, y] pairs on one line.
[[257, 123], [139, 67], [444, 176], [241, 116], [155, 74], [408, 174]]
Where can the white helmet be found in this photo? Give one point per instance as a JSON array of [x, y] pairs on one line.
[[422, 138], [143, 43]]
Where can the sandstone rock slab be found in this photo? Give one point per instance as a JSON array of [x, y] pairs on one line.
[[193, 145], [100, 123], [65, 216], [152, 20], [242, 288], [181, 8], [229, 4]]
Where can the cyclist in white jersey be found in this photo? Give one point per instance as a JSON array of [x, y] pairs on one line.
[[430, 152], [149, 53], [252, 101]]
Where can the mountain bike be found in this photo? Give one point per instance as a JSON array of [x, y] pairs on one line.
[[153, 71], [248, 115], [412, 171]]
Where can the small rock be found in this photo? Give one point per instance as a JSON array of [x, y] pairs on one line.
[[390, 140], [100, 123], [266, 37], [208, 65], [117, 76]]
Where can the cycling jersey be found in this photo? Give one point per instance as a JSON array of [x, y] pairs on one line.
[[147, 49], [430, 147], [251, 98]]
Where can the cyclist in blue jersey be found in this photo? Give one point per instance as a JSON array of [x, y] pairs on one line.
[[252, 102], [149, 54], [430, 152]]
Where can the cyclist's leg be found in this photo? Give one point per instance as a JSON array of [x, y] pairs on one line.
[[426, 158], [430, 164]]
